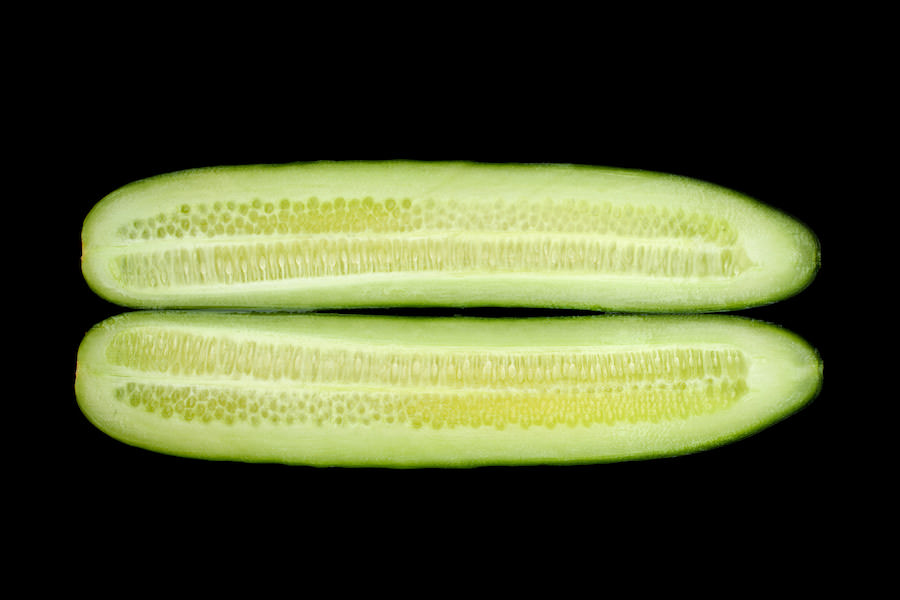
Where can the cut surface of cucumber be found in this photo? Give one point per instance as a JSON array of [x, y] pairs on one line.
[[389, 391], [405, 233]]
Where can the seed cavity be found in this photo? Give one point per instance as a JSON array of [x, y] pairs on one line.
[[182, 375], [313, 215], [286, 239]]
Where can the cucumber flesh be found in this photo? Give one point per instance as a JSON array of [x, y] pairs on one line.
[[362, 390], [404, 233]]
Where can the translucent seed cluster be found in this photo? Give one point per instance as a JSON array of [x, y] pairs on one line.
[[185, 353], [425, 388], [496, 409], [226, 405], [309, 258], [398, 215]]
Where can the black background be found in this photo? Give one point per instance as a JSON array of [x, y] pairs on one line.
[[709, 106]]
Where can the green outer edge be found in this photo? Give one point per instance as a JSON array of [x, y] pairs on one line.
[[792, 408]]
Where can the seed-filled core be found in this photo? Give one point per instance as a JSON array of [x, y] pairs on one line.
[[219, 378], [288, 239]]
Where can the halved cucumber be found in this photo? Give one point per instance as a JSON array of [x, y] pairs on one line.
[[402, 233], [358, 390]]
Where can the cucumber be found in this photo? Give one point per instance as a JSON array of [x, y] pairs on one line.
[[403, 233], [395, 391]]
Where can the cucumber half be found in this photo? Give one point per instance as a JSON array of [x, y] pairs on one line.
[[362, 390], [404, 233]]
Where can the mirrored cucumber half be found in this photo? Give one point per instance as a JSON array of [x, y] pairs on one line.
[[404, 233], [362, 390]]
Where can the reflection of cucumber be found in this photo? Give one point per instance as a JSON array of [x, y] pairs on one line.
[[324, 389], [397, 233]]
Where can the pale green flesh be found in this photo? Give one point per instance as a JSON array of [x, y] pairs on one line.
[[399, 233], [355, 390]]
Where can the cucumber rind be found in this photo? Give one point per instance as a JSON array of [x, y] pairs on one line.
[[790, 378]]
